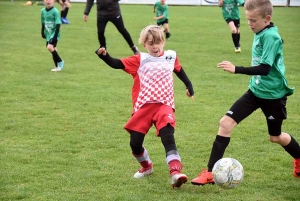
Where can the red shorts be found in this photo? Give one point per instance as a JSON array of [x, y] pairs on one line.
[[157, 114]]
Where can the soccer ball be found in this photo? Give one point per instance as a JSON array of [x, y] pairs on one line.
[[228, 173]]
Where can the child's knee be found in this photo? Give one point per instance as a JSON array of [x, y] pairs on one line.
[[50, 48]]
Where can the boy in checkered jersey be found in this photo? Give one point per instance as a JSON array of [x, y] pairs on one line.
[[153, 99]]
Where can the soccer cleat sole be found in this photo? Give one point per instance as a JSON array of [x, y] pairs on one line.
[[297, 174], [179, 182], [198, 184]]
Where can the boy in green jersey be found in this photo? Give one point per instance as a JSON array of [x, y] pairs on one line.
[[231, 15], [162, 16], [50, 31], [268, 89]]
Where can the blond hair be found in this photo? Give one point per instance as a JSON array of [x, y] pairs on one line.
[[155, 31], [264, 7]]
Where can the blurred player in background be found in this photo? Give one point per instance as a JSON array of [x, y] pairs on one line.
[[65, 5], [231, 15], [162, 16], [109, 11], [50, 31]]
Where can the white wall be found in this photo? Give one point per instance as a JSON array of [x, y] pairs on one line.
[[198, 2]]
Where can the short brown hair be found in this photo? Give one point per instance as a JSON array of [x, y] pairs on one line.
[[264, 7]]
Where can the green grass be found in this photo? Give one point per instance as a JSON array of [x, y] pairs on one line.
[[62, 136]]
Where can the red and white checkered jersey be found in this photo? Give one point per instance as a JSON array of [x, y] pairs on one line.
[[153, 78]]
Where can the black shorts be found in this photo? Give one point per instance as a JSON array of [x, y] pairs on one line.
[[166, 21], [273, 109], [236, 22], [54, 44]]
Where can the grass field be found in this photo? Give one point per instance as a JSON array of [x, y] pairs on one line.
[[62, 136]]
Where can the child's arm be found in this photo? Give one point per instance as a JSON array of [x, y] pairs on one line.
[[43, 31], [54, 39], [112, 62], [262, 69], [184, 78], [88, 6], [158, 18]]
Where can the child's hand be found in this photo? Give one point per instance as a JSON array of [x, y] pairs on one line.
[[155, 18], [220, 3], [189, 95], [101, 51], [85, 18], [227, 66]]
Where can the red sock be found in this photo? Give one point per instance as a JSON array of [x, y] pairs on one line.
[[145, 164], [175, 167]]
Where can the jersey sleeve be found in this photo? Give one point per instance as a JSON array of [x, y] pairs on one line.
[[240, 2], [177, 65], [131, 64]]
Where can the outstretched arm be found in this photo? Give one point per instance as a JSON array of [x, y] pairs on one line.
[[188, 84], [112, 62], [262, 69]]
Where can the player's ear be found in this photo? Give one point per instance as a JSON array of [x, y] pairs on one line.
[[268, 18]]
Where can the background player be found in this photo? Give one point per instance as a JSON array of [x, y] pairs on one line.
[[162, 16], [50, 31], [231, 15]]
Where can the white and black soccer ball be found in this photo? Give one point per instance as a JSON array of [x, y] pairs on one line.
[[228, 173]]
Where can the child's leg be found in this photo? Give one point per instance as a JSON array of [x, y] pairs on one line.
[[54, 53], [172, 156], [140, 154], [234, 34], [138, 151], [289, 144], [67, 5], [238, 36], [56, 58], [292, 146], [167, 30], [66, 12], [61, 3]]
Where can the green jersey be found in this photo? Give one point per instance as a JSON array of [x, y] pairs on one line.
[[230, 9], [161, 10], [267, 49], [50, 18]]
